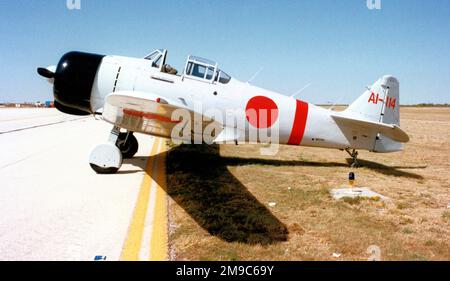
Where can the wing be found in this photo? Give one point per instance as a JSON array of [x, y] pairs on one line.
[[149, 114], [391, 131], [228, 134]]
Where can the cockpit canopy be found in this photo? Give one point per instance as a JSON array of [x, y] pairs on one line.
[[196, 68], [205, 69]]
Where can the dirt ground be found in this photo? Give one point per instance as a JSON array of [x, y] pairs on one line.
[[220, 195]]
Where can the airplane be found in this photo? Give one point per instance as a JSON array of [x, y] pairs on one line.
[[147, 95]]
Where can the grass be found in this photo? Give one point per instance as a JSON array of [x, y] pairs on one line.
[[446, 215], [407, 230], [202, 186], [219, 200], [352, 200]]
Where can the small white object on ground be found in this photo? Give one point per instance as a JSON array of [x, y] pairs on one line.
[[337, 255], [339, 193], [272, 204]]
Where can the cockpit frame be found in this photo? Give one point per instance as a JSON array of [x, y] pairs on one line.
[[158, 58], [196, 68], [200, 69]]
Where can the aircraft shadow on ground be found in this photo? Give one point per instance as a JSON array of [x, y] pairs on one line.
[[389, 170], [377, 167], [199, 181]]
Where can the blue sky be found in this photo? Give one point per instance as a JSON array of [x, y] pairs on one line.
[[338, 46]]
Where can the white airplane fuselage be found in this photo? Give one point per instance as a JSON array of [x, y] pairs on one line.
[[299, 123]]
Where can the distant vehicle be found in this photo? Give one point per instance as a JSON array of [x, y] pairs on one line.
[[146, 95], [49, 104]]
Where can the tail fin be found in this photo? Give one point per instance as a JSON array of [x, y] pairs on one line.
[[379, 103]]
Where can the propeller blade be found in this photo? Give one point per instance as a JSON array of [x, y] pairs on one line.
[[45, 72]]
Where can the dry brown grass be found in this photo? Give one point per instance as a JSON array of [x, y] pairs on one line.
[[219, 200]]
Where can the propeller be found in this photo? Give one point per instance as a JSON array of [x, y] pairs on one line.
[[48, 72]]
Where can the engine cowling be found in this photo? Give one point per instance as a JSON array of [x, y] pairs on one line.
[[73, 80]]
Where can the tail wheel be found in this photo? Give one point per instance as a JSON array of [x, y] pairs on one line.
[[128, 144]]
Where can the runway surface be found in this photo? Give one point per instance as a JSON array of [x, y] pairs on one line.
[[54, 207]]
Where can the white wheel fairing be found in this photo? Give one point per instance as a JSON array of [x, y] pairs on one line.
[[105, 158]]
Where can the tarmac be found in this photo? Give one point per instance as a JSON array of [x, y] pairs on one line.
[[55, 207]]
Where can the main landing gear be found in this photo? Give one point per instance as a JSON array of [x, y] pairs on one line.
[[128, 144], [354, 155], [106, 158]]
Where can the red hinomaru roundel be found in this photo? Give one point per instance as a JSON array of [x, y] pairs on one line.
[[261, 112]]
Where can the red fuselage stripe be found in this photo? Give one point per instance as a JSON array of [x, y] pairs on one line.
[[298, 129]]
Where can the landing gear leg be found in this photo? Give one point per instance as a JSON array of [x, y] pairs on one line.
[[106, 158], [354, 155]]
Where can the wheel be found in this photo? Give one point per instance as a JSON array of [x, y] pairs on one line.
[[101, 170], [128, 148], [105, 158]]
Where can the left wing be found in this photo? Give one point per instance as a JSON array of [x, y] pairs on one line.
[[150, 114]]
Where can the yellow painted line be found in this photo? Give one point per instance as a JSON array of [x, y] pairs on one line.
[[159, 238], [132, 245]]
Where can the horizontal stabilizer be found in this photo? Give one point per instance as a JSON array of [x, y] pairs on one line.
[[391, 131]]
